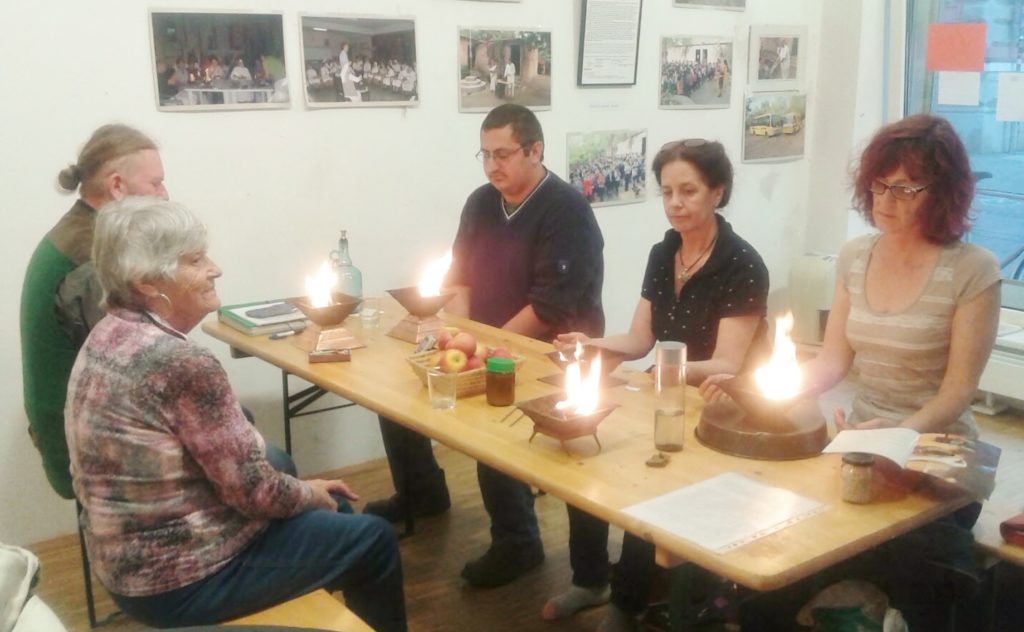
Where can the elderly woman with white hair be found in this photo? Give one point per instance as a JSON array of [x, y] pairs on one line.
[[185, 521]]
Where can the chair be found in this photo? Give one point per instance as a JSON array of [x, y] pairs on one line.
[[317, 610]]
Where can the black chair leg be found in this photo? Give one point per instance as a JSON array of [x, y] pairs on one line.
[[90, 603]]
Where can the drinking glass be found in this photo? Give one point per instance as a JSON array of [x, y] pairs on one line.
[[442, 388], [670, 391], [369, 316]]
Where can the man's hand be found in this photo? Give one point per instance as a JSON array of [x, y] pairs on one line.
[[322, 493]]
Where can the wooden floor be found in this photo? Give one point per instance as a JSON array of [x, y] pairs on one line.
[[436, 598]]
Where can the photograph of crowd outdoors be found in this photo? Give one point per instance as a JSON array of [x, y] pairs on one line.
[[219, 61], [732, 5], [774, 127], [497, 66], [354, 61], [696, 72], [608, 167]]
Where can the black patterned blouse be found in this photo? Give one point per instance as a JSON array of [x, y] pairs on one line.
[[733, 282]]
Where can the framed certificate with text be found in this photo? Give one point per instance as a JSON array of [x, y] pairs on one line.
[[609, 42]]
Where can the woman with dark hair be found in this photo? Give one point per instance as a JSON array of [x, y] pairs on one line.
[[704, 286], [915, 314], [916, 310]]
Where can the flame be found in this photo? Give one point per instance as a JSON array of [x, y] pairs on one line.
[[320, 286], [433, 275], [581, 393], [780, 378]]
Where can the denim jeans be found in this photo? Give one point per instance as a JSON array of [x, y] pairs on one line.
[[509, 503], [414, 469], [355, 553], [588, 549]]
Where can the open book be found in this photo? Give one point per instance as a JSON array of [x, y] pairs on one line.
[[967, 463]]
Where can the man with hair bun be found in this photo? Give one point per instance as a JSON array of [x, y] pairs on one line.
[[60, 296]]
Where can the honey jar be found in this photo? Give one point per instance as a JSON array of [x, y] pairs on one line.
[[857, 477], [501, 381]]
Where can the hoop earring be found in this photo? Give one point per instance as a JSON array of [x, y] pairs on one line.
[[170, 306]]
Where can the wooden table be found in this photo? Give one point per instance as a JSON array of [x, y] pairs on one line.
[[603, 483]]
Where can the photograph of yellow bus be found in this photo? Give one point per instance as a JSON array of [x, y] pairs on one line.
[[766, 125], [774, 126]]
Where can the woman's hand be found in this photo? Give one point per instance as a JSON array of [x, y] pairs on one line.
[[711, 391], [567, 342], [322, 490]]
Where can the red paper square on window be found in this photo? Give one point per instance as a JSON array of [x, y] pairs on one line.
[[956, 46]]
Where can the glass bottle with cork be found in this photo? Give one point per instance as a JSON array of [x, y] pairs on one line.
[[350, 279]]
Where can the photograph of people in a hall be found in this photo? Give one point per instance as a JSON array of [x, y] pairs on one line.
[[696, 72], [731, 5], [774, 127], [504, 66], [219, 61], [353, 61], [608, 167]]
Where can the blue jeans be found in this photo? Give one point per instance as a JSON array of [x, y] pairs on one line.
[[355, 553], [588, 549], [631, 578], [509, 503]]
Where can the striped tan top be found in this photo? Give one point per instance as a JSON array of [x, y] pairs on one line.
[[900, 357]]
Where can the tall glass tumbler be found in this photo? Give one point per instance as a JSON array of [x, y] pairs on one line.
[[670, 391]]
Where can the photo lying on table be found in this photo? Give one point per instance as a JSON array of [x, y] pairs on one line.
[[729, 5], [218, 61], [608, 167], [352, 61], [504, 66], [773, 127], [776, 57], [696, 72]]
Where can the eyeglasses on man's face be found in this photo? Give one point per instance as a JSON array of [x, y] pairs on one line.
[[899, 191], [498, 155]]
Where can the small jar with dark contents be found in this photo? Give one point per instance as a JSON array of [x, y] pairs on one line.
[[501, 381], [857, 478]]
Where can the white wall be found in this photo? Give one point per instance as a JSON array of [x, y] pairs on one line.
[[275, 186]]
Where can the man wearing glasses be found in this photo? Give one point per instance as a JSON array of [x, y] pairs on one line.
[[528, 258]]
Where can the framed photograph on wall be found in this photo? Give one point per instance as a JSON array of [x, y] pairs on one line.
[[608, 167], [504, 66], [218, 61], [609, 42], [696, 72], [359, 61], [777, 58], [728, 5], [773, 127]]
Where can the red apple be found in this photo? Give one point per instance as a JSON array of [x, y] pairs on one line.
[[482, 351], [475, 362], [500, 352], [443, 338], [464, 342], [453, 361]]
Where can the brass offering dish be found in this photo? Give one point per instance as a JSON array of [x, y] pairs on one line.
[[422, 318], [610, 360], [753, 426], [563, 425], [331, 315]]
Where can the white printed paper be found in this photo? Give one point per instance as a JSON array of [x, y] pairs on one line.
[[895, 444], [725, 512], [959, 88], [1010, 97]]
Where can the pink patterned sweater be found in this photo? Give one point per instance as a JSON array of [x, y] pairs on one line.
[[172, 478]]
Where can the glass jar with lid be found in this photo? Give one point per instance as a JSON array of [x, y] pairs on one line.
[[501, 381], [857, 475]]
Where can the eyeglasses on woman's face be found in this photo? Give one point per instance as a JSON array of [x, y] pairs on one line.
[[899, 191], [686, 142]]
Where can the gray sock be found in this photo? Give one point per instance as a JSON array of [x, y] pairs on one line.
[[572, 601], [617, 620]]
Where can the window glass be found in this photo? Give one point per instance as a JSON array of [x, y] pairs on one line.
[[996, 147]]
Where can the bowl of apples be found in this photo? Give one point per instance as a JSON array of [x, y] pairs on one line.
[[459, 352]]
